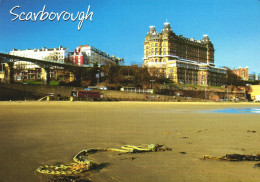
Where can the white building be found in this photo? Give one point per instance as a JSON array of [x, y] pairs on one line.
[[43, 54], [28, 70], [88, 55]]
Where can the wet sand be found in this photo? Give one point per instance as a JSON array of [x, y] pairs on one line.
[[38, 133]]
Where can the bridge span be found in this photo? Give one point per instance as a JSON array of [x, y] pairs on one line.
[[45, 64]]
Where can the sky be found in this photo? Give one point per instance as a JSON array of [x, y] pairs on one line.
[[118, 27]]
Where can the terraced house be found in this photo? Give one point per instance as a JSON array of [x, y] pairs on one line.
[[183, 60]]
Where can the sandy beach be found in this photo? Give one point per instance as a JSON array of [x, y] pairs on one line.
[[38, 133]]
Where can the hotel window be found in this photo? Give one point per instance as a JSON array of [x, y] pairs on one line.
[[164, 53], [155, 49], [163, 45], [156, 45], [152, 60], [156, 60], [164, 60]]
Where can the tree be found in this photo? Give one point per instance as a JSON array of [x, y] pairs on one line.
[[90, 74], [113, 74], [233, 79], [142, 77]]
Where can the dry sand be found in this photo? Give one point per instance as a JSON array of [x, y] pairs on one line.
[[38, 133]]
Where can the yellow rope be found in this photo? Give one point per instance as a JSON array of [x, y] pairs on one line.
[[82, 163]]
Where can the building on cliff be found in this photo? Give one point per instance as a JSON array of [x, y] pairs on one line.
[[183, 60]]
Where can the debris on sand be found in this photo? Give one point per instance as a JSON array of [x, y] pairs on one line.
[[251, 131], [235, 157], [185, 137], [257, 165]]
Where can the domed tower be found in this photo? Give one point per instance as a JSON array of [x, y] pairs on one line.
[[210, 49], [152, 31], [152, 52], [152, 43], [167, 29], [167, 40]]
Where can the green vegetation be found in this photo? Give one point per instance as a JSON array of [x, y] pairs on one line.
[[54, 82], [131, 76], [116, 76], [39, 82]]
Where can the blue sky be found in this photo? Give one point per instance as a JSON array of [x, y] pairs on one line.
[[118, 27]]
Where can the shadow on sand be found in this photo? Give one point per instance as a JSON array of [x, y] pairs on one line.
[[83, 177]]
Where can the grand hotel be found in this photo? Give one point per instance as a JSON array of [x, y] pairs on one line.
[[183, 60]]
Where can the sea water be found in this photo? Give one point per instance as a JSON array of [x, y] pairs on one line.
[[248, 110]]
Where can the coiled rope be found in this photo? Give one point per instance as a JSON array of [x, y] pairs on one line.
[[82, 163]]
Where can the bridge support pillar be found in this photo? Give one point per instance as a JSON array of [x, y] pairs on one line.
[[72, 77], [46, 75], [11, 72]]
